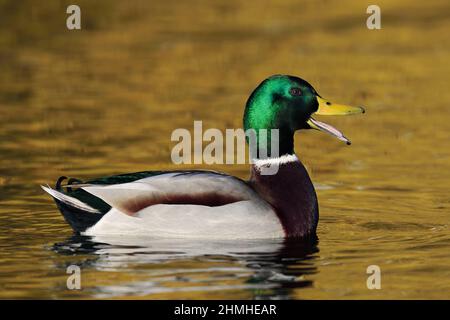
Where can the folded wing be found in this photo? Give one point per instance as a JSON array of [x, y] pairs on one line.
[[204, 188]]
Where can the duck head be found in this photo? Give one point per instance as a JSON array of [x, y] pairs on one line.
[[288, 103]]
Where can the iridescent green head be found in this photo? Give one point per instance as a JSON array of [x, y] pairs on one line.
[[286, 103]]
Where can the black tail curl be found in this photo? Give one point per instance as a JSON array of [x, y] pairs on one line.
[[78, 219]]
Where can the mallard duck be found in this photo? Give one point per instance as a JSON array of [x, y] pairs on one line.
[[208, 204]]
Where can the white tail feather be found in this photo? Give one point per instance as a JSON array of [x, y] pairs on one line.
[[69, 200]]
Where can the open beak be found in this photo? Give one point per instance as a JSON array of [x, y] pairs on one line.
[[327, 108]]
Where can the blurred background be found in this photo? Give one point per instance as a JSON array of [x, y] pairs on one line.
[[105, 99]]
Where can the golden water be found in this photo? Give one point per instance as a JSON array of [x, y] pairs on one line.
[[105, 100]]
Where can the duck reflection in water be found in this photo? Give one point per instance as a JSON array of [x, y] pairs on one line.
[[269, 269]]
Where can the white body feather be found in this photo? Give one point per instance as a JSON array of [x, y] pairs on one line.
[[239, 220], [249, 217]]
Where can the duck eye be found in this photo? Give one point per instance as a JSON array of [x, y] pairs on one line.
[[295, 92]]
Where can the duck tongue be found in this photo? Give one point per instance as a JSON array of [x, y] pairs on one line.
[[315, 124]]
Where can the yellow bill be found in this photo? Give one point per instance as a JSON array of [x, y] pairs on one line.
[[328, 108]]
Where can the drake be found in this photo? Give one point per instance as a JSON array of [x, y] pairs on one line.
[[209, 204]]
